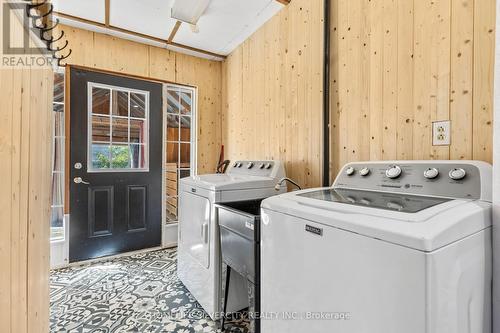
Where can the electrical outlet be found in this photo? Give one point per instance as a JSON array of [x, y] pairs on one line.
[[441, 133]]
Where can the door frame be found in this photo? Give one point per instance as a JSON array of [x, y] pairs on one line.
[[60, 249]]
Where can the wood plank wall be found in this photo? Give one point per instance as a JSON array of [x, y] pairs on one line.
[[100, 51], [396, 66], [25, 169], [399, 65], [273, 93]]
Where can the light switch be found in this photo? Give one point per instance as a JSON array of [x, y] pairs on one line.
[[441, 133]]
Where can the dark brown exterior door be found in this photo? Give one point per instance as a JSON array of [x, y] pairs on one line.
[[115, 164]]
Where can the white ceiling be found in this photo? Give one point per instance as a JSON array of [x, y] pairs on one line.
[[224, 25]]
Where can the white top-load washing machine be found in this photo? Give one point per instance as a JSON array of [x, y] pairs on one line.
[[198, 258], [392, 247]]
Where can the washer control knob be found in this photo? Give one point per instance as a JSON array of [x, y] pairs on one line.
[[350, 171], [261, 166], [431, 173], [365, 201], [394, 205], [268, 165], [457, 174], [239, 164], [250, 165], [364, 172], [393, 172], [235, 165], [351, 199]]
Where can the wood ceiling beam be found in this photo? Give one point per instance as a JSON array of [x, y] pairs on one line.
[[137, 34], [106, 12], [174, 31]]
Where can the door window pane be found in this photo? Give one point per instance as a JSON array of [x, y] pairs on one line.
[[172, 152], [171, 208], [100, 100], [57, 189], [186, 103], [120, 157], [172, 128], [185, 155], [58, 122], [120, 130], [137, 131], [185, 129], [58, 158], [59, 108], [120, 103], [120, 138], [101, 156], [58, 87], [57, 224], [101, 130], [173, 101], [137, 156], [137, 105], [183, 173]]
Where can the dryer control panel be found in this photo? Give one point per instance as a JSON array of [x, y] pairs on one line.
[[449, 179], [257, 168]]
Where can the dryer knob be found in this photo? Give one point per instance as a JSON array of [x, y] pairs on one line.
[[457, 174], [268, 166], [261, 166], [350, 171], [250, 165], [364, 172], [393, 172]]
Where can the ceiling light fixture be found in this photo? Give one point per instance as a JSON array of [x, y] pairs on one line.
[[189, 11]]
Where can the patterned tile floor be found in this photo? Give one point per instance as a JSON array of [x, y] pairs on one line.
[[137, 293]]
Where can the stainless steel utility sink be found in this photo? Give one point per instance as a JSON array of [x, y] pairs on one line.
[[239, 224]]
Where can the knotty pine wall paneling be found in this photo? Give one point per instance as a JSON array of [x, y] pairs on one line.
[[25, 168], [273, 90], [399, 65]]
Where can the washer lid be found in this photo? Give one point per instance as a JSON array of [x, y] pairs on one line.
[[431, 226], [380, 200], [229, 182]]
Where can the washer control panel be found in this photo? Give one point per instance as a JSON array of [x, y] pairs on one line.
[[253, 168], [448, 179]]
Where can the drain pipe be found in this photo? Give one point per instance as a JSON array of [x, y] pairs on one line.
[[326, 94]]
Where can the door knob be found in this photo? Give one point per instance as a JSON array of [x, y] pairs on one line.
[[79, 180]]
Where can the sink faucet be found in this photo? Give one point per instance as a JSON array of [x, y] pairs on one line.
[[286, 179]]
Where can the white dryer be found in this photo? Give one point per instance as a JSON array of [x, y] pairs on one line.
[[392, 247], [198, 258]]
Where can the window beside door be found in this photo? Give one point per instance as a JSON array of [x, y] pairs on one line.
[[180, 138], [57, 205]]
